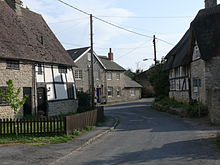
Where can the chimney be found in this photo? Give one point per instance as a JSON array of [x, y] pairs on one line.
[[15, 5], [210, 3], [110, 54]]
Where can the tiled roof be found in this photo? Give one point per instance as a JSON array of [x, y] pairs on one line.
[[76, 53], [110, 65], [129, 83], [28, 37]]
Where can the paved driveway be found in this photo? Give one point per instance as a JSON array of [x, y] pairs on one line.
[[145, 136]]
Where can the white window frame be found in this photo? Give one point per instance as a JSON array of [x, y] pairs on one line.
[[78, 74], [118, 90], [109, 75], [132, 91], [110, 89], [118, 76]]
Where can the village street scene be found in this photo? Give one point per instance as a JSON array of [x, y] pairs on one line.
[[109, 82]]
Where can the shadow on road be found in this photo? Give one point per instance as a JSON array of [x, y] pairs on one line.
[[178, 151]]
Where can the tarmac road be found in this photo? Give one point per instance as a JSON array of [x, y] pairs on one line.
[[145, 136]]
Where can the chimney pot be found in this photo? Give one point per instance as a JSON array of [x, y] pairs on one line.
[[110, 54], [210, 3]]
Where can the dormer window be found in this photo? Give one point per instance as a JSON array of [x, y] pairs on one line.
[[196, 52], [62, 69]]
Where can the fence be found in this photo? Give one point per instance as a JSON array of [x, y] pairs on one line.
[[35, 126], [79, 121], [52, 125]]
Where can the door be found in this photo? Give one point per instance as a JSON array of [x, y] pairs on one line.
[[27, 107], [41, 101], [98, 94]]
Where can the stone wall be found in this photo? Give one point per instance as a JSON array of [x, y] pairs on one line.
[[62, 107], [21, 78], [198, 71], [182, 96], [214, 104], [213, 88]]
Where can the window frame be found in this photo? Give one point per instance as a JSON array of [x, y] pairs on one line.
[[3, 101], [13, 64], [118, 76], [110, 89], [70, 91], [78, 75], [109, 75], [62, 69], [132, 91]]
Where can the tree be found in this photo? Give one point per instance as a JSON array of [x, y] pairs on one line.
[[11, 96], [159, 79]]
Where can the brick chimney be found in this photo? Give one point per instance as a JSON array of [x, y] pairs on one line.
[[210, 3], [15, 5], [110, 54]]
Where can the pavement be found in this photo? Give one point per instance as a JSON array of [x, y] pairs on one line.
[[50, 154]]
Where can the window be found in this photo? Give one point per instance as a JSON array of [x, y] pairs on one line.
[[118, 91], [110, 91], [196, 52], [132, 91], [196, 82], [98, 75], [40, 70], [70, 91], [117, 76], [12, 64], [172, 85], [109, 75], [2, 100], [62, 69], [78, 74]]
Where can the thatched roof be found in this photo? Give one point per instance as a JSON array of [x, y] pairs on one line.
[[27, 37], [205, 29]]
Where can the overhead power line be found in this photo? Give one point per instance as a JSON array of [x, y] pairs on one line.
[[146, 17], [112, 24]]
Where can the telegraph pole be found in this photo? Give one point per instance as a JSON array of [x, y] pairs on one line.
[[92, 74], [155, 51]]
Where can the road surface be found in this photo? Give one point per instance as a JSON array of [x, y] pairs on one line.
[[145, 136]]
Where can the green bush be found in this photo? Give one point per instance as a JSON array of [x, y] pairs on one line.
[[193, 108], [84, 101], [196, 109]]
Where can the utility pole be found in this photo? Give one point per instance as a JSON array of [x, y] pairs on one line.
[[155, 51], [92, 74]]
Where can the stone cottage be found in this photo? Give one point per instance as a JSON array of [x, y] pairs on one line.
[[194, 61], [111, 84], [34, 59]]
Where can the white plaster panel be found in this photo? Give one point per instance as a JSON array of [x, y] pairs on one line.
[[69, 75], [48, 74], [50, 92]]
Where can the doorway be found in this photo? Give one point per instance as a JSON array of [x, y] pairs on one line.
[[98, 95], [27, 107], [41, 101]]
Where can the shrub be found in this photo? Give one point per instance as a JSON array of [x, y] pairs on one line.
[[84, 101], [196, 109]]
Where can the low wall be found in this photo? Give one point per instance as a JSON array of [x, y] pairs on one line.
[[62, 107]]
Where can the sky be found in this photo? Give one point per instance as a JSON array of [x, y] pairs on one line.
[[168, 20]]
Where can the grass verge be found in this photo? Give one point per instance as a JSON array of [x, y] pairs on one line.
[[42, 140]]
